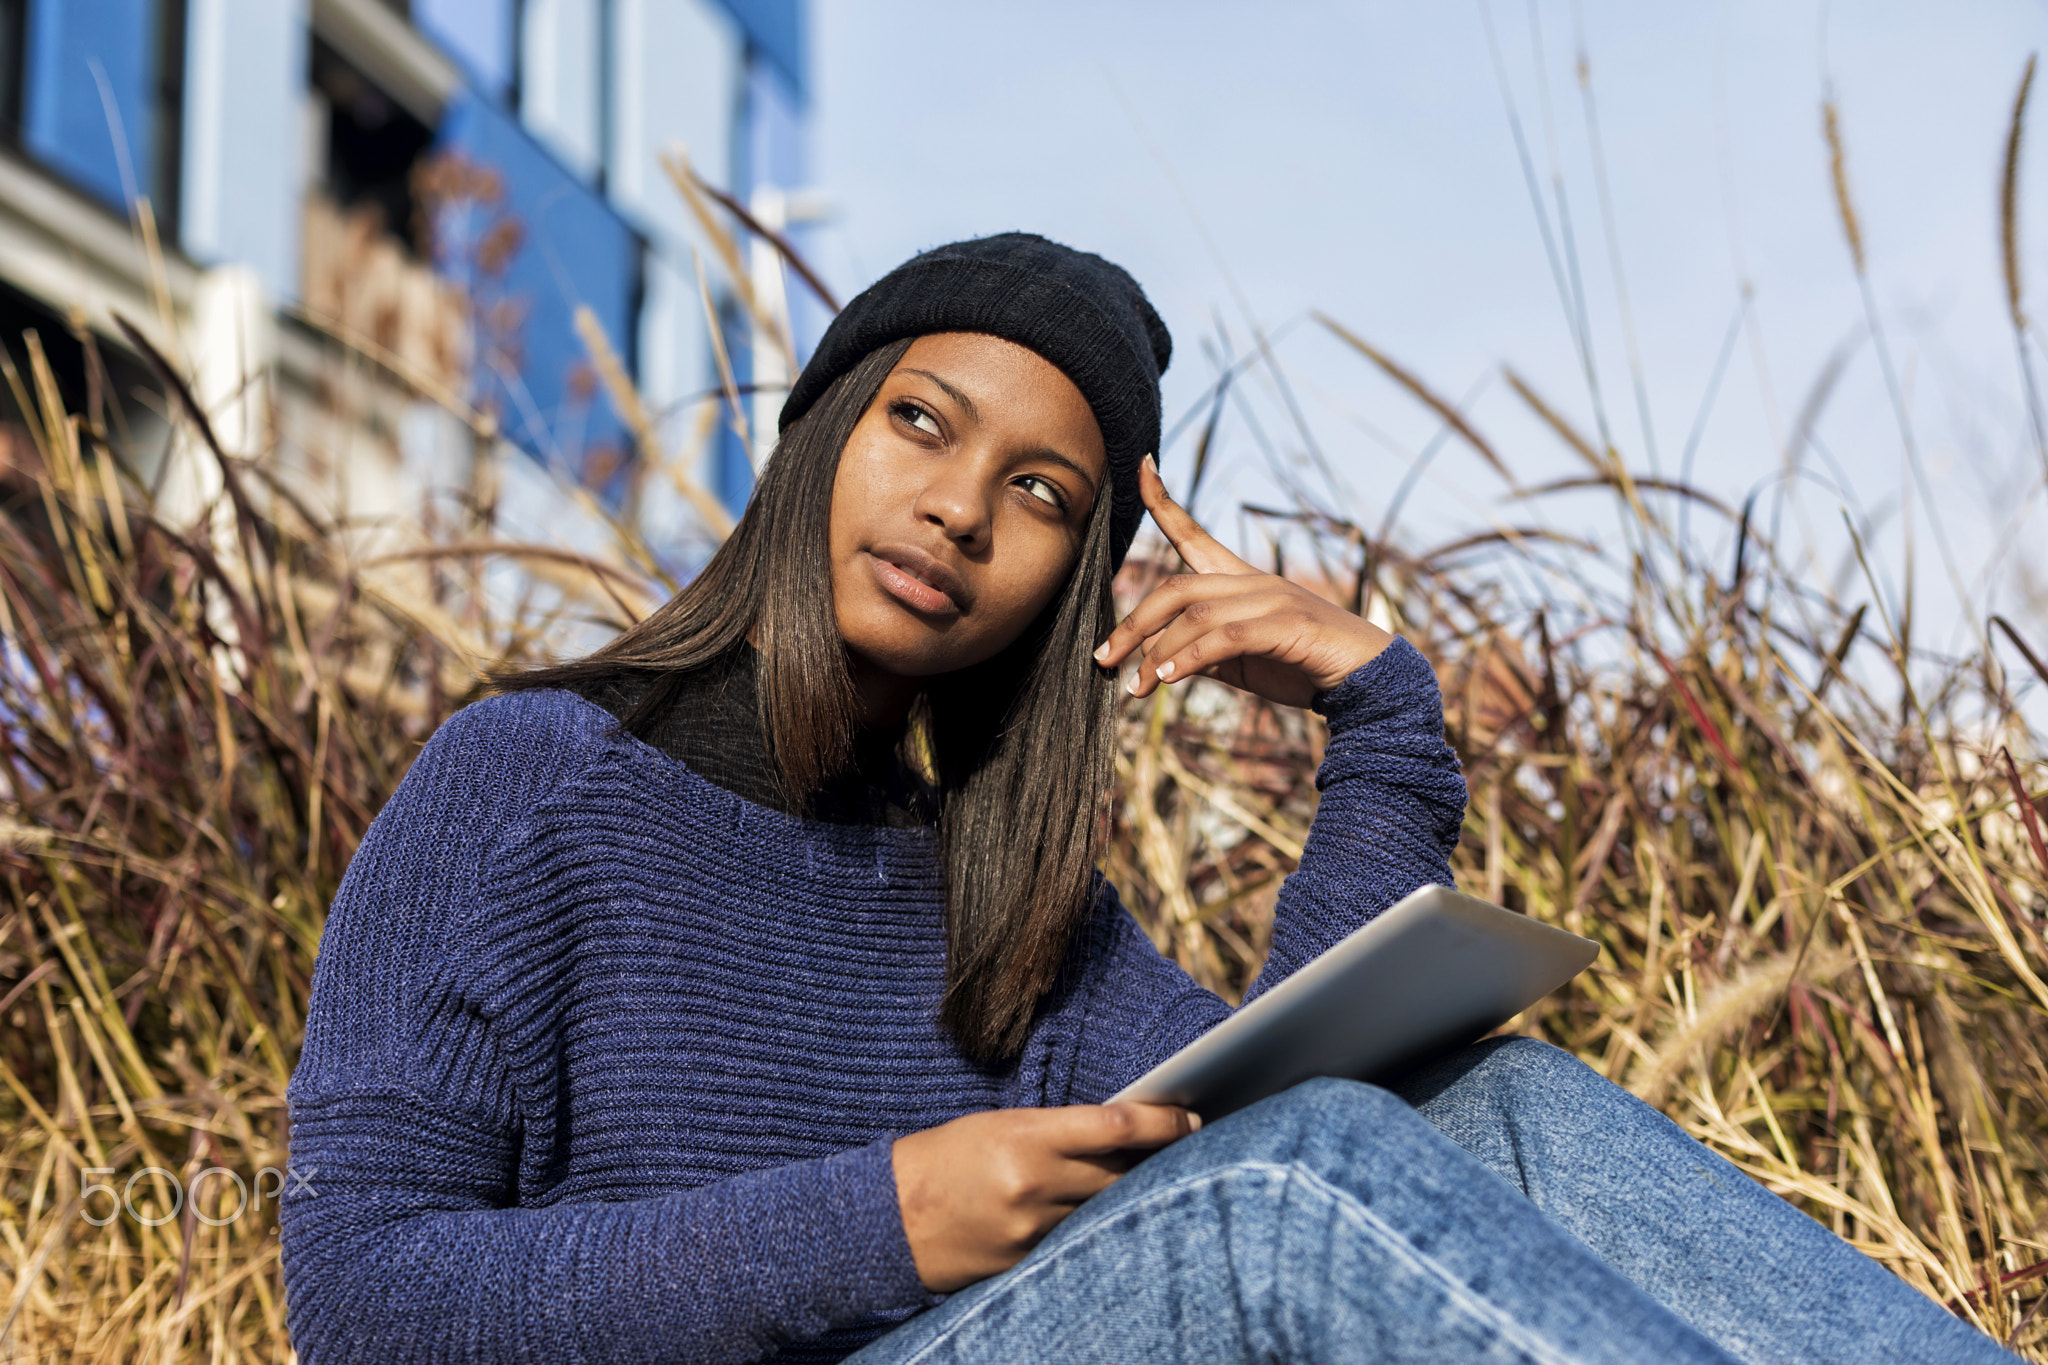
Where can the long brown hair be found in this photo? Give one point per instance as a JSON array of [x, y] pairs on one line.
[[1023, 745]]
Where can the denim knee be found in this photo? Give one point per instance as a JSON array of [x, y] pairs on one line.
[[1317, 1103], [1335, 1128], [1523, 1107], [1531, 1062], [1309, 1122], [1529, 1077], [1508, 1072]]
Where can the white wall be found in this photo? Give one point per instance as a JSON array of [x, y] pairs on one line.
[[676, 80], [244, 171], [561, 80]]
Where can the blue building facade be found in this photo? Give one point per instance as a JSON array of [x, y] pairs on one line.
[[99, 97], [513, 147]]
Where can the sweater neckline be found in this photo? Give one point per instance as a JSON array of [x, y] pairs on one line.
[[634, 752]]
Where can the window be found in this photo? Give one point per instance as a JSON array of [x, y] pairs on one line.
[[96, 93]]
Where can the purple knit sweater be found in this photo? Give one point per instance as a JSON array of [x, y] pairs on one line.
[[603, 1062]]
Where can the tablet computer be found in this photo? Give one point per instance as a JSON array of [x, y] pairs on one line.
[[1433, 972]]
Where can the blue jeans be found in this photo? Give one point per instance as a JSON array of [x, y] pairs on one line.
[[1505, 1204]]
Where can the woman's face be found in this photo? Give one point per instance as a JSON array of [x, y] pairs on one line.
[[960, 505]]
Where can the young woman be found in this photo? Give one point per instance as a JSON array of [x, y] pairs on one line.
[[747, 988]]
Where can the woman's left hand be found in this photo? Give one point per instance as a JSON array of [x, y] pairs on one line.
[[1227, 620]]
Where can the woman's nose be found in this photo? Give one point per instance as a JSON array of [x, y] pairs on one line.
[[957, 504]]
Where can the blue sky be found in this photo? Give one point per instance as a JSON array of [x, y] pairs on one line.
[[1251, 163]]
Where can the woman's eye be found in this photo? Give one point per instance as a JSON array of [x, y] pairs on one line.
[[916, 417], [1045, 490]]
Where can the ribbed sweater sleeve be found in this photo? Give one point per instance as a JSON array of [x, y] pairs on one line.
[[1393, 800], [403, 1239]]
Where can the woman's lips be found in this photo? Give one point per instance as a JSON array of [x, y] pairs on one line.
[[918, 580]]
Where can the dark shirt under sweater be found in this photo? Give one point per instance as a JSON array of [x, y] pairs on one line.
[[603, 1062], [713, 724]]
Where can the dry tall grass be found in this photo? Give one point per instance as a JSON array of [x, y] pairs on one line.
[[1820, 886], [1821, 919]]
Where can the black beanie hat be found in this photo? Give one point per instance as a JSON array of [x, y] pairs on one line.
[[1085, 315]]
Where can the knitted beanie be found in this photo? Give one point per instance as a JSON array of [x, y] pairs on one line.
[[1080, 312]]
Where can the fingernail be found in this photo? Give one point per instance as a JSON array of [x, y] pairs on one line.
[[1102, 651], [1132, 685], [1194, 1122], [1151, 464], [1166, 670]]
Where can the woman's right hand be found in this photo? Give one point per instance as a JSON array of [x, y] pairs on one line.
[[979, 1192]]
